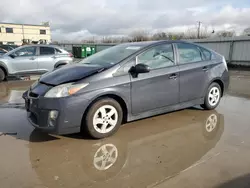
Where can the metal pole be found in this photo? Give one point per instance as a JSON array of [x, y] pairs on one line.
[[23, 31], [231, 51], [199, 28]]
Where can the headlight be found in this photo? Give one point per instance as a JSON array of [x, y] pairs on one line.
[[64, 90]]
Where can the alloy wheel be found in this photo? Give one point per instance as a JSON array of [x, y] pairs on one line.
[[214, 96], [105, 119]]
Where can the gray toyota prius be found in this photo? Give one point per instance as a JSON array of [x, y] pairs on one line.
[[126, 82]]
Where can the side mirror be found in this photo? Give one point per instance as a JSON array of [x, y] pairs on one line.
[[140, 68], [12, 56]]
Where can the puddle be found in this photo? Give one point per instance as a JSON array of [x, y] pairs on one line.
[[11, 93]]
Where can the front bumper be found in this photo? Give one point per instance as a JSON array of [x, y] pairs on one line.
[[70, 113]]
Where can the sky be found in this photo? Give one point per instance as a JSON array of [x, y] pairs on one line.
[[76, 20]]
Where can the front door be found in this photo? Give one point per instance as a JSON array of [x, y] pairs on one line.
[[24, 60], [193, 71], [159, 87]]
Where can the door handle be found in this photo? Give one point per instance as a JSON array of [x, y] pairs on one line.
[[173, 76], [32, 58], [205, 68], [54, 57]]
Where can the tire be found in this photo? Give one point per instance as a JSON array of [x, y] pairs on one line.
[[98, 123], [2, 75], [211, 103]]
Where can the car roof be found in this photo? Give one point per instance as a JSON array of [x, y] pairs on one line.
[[39, 45], [152, 43], [143, 43], [8, 45], [43, 45], [147, 43]]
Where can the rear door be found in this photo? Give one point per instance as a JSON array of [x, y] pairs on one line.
[[159, 87], [46, 59], [24, 60], [193, 71]]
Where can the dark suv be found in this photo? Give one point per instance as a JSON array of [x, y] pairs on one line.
[[124, 83]]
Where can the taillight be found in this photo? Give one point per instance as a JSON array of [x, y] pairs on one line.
[[70, 55]]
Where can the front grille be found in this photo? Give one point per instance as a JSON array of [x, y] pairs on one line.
[[33, 95]]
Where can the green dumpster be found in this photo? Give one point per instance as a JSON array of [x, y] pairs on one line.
[[88, 50]]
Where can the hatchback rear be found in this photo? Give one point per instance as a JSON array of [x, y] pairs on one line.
[[125, 83]]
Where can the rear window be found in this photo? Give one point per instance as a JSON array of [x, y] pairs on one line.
[[188, 53], [207, 55], [47, 51], [58, 51]]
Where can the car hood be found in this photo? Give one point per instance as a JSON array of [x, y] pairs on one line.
[[69, 73]]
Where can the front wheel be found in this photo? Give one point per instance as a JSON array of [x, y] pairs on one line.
[[103, 118], [213, 96]]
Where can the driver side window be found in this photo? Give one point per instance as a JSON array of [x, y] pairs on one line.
[[160, 56], [27, 51]]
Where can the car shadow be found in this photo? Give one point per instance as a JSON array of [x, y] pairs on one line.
[[79, 136], [196, 108], [240, 182], [39, 136]]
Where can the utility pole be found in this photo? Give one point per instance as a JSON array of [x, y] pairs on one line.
[[23, 31], [199, 29]]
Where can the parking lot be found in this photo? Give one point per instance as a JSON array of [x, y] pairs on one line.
[[188, 148]]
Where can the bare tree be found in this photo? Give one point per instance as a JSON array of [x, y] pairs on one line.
[[139, 35], [176, 36], [108, 39], [168, 36], [160, 36], [55, 42], [125, 39], [246, 32], [191, 34], [90, 40], [226, 33]]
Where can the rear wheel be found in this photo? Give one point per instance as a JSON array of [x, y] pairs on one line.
[[2, 75], [213, 96], [103, 118]]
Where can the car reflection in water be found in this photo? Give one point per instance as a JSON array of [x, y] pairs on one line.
[[11, 92], [143, 153]]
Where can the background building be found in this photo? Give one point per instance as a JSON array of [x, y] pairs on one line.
[[12, 33]]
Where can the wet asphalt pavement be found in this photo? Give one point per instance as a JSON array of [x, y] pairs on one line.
[[190, 148]]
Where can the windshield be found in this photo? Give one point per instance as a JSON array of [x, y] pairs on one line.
[[112, 55], [13, 50]]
